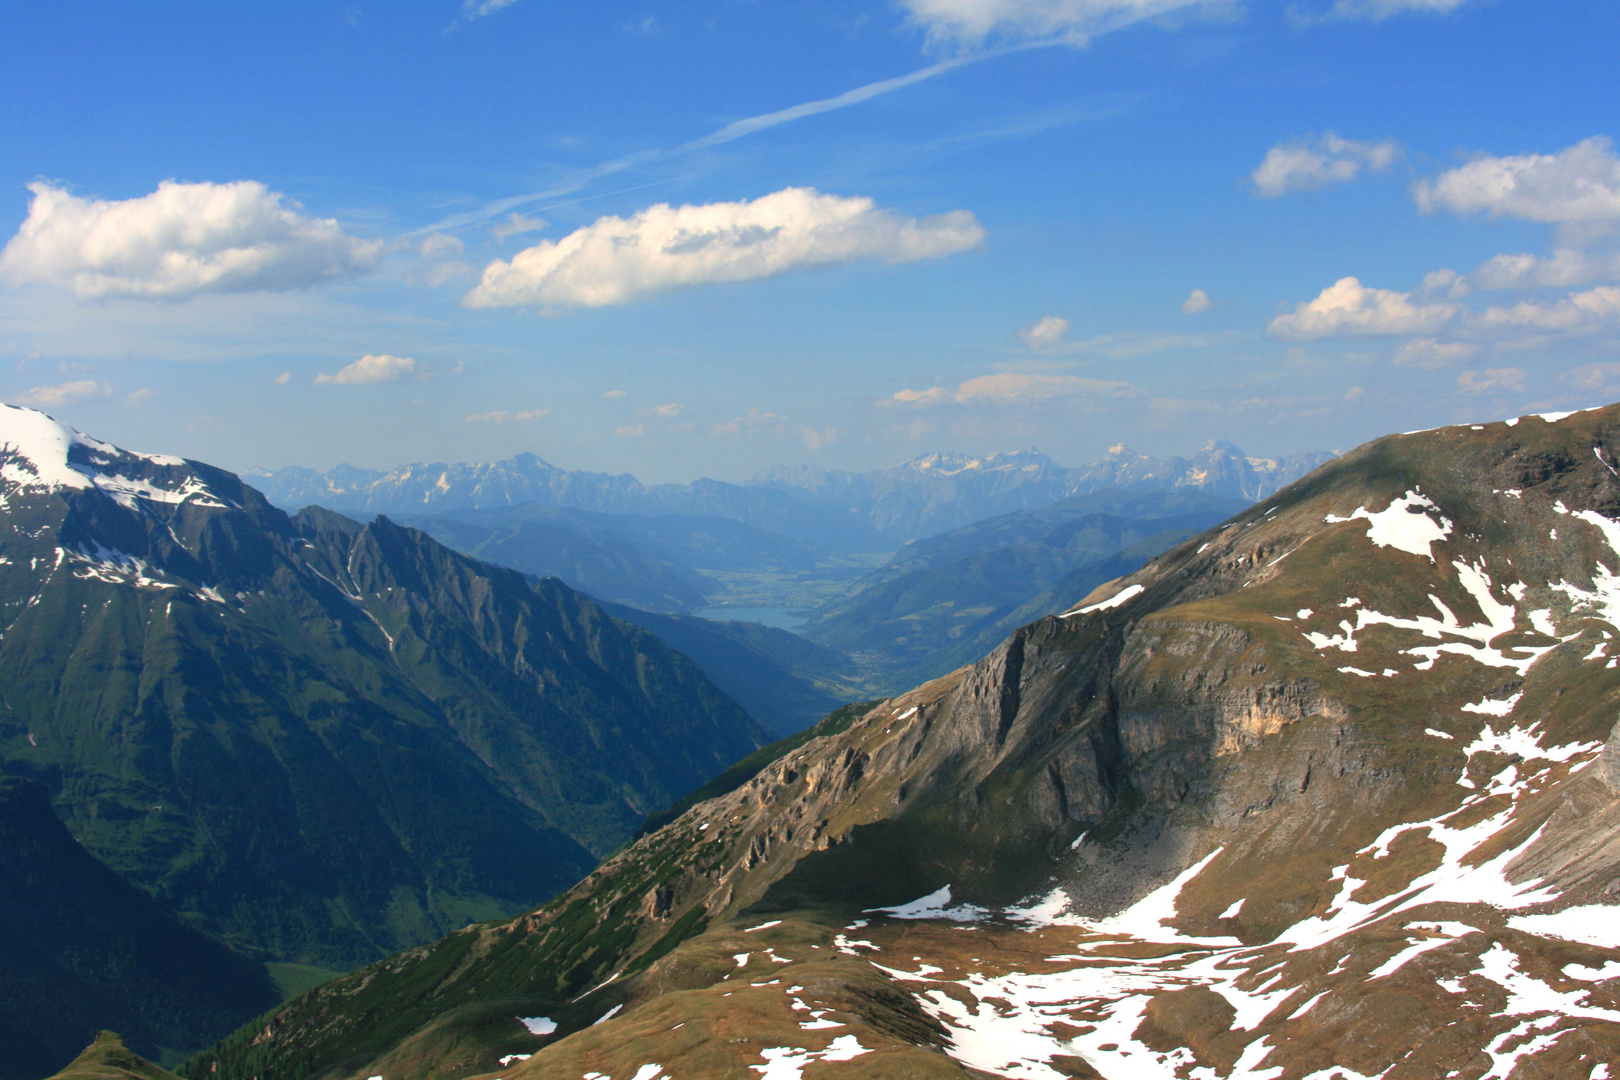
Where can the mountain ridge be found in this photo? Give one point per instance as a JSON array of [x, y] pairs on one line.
[[228, 705], [1317, 793], [838, 510]]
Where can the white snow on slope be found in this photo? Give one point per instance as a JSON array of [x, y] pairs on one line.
[[1103, 605], [1591, 924], [1499, 618], [1401, 527], [39, 446]]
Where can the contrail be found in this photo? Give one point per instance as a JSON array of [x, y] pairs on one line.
[[734, 130]]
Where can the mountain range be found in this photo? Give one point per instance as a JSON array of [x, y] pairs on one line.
[[835, 510], [948, 599], [317, 741], [1331, 790]]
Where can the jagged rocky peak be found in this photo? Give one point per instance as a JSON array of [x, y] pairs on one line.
[[1320, 793]]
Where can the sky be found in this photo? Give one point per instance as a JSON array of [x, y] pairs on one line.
[[704, 238]]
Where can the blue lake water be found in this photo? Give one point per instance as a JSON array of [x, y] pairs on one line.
[[782, 618]]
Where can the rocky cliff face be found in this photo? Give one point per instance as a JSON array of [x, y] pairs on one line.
[[1320, 793]]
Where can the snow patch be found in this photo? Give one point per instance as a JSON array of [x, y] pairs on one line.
[[1590, 924], [538, 1025], [1401, 527], [787, 1063], [1112, 602], [936, 905]]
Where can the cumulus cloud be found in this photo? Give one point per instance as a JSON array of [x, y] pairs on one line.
[[1306, 165], [613, 393], [1012, 388], [616, 260], [179, 241], [1378, 10], [1044, 334], [516, 224], [1479, 382], [1429, 353], [1580, 312], [1348, 307], [64, 393], [1197, 300], [967, 23], [501, 416], [1577, 186], [662, 412], [372, 369], [1563, 268]]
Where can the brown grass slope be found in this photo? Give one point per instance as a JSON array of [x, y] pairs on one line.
[[1197, 719]]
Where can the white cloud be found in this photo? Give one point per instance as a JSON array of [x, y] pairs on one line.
[[663, 412], [1563, 268], [1479, 382], [477, 9], [1579, 185], [141, 396], [613, 393], [516, 224], [934, 395], [630, 431], [967, 23], [1197, 300], [1306, 166], [64, 393], [1603, 376], [1349, 308], [501, 416], [284, 378], [1045, 333], [1429, 353], [1378, 10], [1012, 388], [179, 241], [439, 245], [372, 369], [758, 421], [616, 260], [1577, 313]]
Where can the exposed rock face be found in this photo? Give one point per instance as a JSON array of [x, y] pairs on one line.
[[1322, 789]]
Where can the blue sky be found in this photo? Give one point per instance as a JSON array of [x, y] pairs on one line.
[[703, 238]]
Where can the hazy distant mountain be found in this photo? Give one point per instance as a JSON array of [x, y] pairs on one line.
[[839, 511], [321, 740], [1331, 790], [946, 600]]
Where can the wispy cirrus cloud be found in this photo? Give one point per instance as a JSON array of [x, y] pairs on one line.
[[1012, 388], [969, 23], [617, 260], [45, 397], [502, 416], [1371, 10], [1044, 333]]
